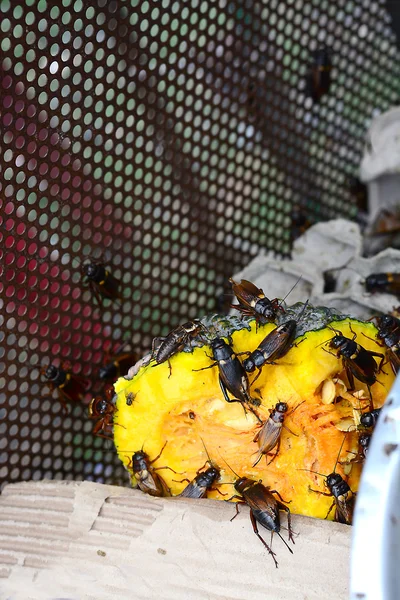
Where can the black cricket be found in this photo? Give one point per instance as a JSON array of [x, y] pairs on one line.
[[145, 474], [232, 376], [318, 80], [163, 348], [129, 397], [264, 509], [102, 408], [253, 302], [70, 387], [275, 345], [339, 489], [201, 484], [117, 365], [101, 282], [370, 418], [269, 435], [389, 333], [364, 440], [358, 362], [383, 282]]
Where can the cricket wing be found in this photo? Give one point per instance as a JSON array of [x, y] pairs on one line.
[[364, 371], [193, 490], [268, 436], [278, 342], [235, 379], [264, 506], [344, 509], [152, 485], [110, 288], [394, 360], [246, 292]]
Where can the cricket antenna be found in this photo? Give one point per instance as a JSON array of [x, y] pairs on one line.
[[229, 467], [291, 290], [311, 471], [336, 331], [303, 309], [324, 343], [208, 456], [340, 450], [130, 451], [142, 448]]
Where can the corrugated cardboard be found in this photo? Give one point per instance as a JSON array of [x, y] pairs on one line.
[[87, 541]]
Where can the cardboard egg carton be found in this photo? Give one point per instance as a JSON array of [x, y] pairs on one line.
[[88, 541], [334, 247]]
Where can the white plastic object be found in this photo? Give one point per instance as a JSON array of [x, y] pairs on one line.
[[382, 155], [375, 554], [380, 166]]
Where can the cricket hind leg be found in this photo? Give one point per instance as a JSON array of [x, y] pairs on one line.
[[260, 454], [395, 364], [225, 394], [94, 290], [257, 435], [289, 520], [251, 409], [330, 510], [63, 398], [155, 345], [255, 529], [350, 378], [371, 402], [382, 357], [275, 454]]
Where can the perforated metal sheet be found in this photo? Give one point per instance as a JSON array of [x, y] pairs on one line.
[[176, 138]]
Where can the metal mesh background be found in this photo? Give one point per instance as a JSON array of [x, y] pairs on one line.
[[176, 138]]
